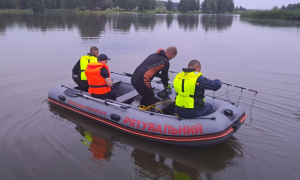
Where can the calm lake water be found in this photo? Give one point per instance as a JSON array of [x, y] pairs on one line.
[[42, 141]]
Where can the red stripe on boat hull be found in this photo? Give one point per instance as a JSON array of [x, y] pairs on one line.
[[149, 135]]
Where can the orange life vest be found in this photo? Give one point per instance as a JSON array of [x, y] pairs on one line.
[[96, 81]]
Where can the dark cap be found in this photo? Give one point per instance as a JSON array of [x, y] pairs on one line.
[[102, 57]]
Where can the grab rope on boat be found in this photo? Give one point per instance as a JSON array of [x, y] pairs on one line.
[[227, 95], [252, 106], [214, 97], [240, 97]]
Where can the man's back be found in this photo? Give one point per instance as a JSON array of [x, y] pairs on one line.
[[151, 66]]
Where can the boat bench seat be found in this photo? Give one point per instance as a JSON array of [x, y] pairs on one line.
[[116, 81], [127, 96]]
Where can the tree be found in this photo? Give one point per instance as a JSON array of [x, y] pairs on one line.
[[217, 6], [205, 6], [236, 9], [221, 6], [68, 4], [143, 5], [193, 5], [275, 8], [242, 9], [169, 5], [283, 7], [183, 6], [160, 5], [37, 5], [153, 4], [231, 7], [198, 5], [9, 4]]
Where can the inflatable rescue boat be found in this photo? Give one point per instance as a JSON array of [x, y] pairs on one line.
[[162, 125]]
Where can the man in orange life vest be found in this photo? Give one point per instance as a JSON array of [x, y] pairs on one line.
[[98, 77]]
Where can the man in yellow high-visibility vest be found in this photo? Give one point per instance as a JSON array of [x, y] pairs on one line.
[[78, 71], [190, 87]]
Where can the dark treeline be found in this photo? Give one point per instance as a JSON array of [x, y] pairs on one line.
[[39, 5], [217, 6], [175, 4], [93, 25], [207, 6], [291, 7], [188, 5]]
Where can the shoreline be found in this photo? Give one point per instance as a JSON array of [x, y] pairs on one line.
[[157, 11], [151, 12], [279, 15]]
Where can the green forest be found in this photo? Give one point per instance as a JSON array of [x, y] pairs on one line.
[[37, 5], [290, 7], [217, 6], [290, 12], [207, 6]]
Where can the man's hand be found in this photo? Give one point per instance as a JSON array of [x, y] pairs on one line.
[[168, 89], [109, 82]]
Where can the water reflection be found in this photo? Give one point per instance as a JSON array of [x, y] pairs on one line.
[[146, 21], [100, 148], [92, 25], [169, 20], [154, 160], [188, 22], [216, 22]]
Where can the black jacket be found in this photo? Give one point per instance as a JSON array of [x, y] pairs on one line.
[[152, 66]]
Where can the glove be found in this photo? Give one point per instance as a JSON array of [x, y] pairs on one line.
[[168, 89], [157, 99]]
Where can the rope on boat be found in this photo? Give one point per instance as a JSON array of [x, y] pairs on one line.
[[240, 97], [147, 108], [252, 106], [227, 94]]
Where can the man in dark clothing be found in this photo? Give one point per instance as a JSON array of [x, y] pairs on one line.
[[190, 87], [78, 74], [150, 67]]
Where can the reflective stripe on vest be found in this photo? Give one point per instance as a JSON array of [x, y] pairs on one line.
[[84, 61], [96, 82], [185, 86]]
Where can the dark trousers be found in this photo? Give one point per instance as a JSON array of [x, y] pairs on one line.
[[146, 93], [193, 113], [110, 95], [84, 85]]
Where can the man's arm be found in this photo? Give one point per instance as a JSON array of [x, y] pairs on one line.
[[76, 68], [165, 75], [109, 82], [105, 74], [205, 83], [157, 75]]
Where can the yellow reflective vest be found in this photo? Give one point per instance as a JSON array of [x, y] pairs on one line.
[[84, 61], [185, 86]]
